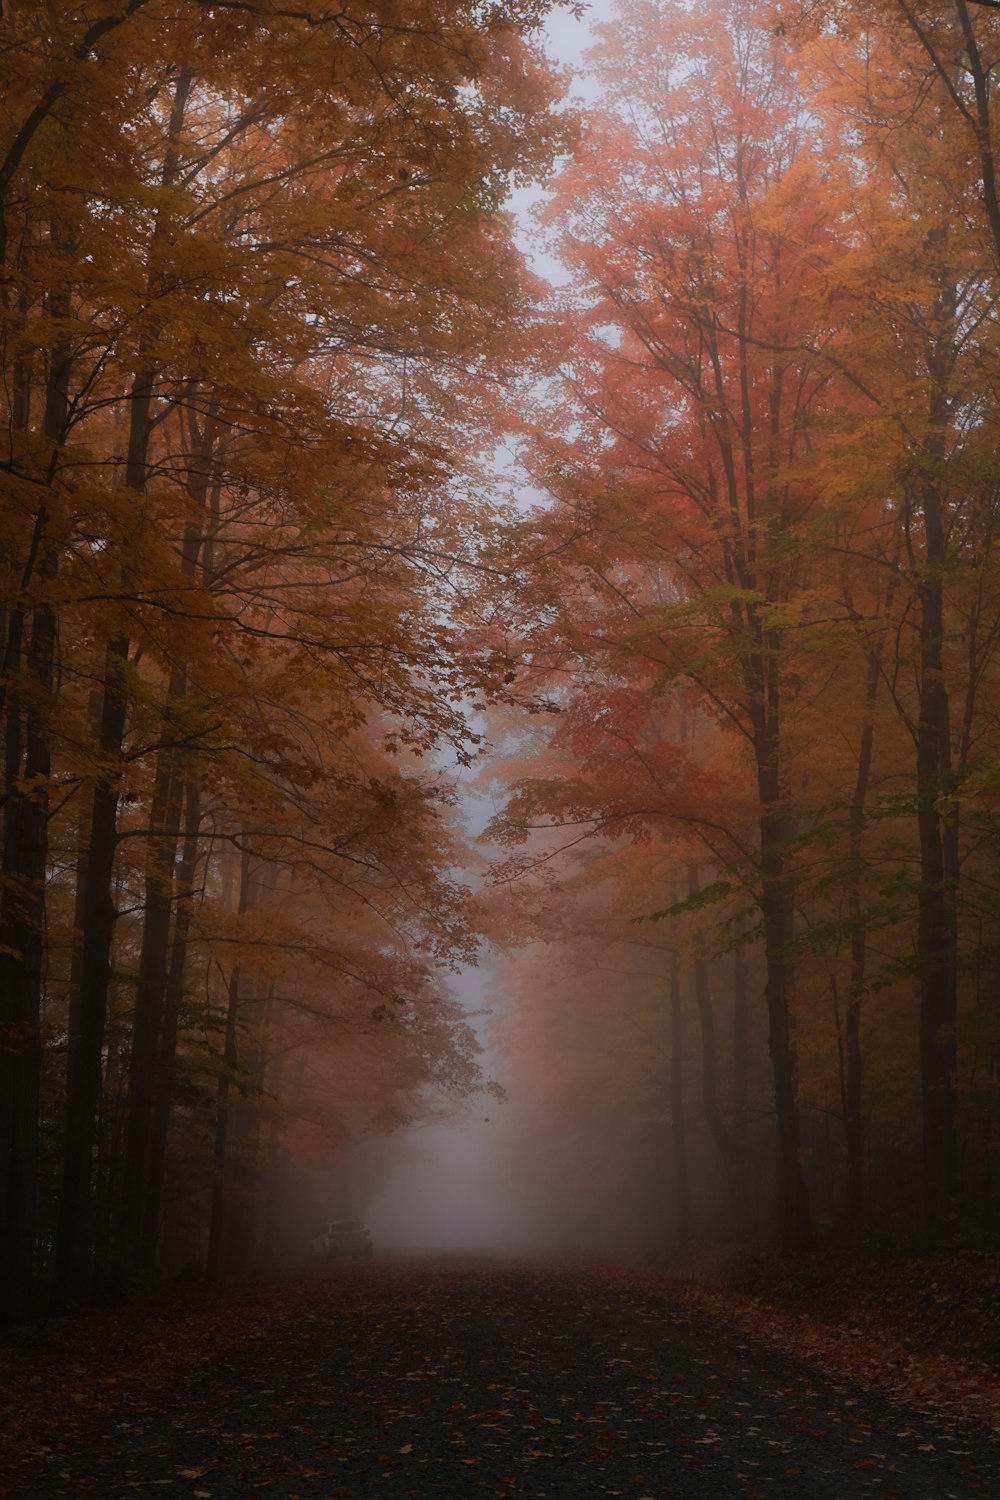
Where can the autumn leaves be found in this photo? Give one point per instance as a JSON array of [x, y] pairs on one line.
[[771, 621], [249, 258]]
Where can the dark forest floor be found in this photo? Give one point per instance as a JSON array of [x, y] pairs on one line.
[[924, 1331], [454, 1375], [924, 1328]]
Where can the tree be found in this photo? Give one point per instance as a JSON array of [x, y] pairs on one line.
[[683, 508], [916, 341], [228, 284]]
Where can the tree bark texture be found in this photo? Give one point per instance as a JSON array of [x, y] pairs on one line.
[[682, 1184], [937, 925], [230, 1061], [794, 1212], [164, 1073], [88, 1007]]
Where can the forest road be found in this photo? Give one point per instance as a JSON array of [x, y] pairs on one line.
[[467, 1378]]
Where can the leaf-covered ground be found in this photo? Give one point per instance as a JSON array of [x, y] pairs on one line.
[[925, 1330], [458, 1378]]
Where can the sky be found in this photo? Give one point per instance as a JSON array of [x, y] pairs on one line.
[[567, 38]]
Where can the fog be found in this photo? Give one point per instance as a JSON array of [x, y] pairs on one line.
[[577, 1155], [455, 1188], [452, 1195], [448, 1189]]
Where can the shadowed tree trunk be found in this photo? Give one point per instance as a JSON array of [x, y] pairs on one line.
[[227, 1073], [851, 1064], [167, 1044], [720, 1132], [682, 1186], [73, 1254], [29, 651], [22, 922], [151, 989], [165, 818], [925, 534], [88, 1007], [741, 1039], [794, 1213]]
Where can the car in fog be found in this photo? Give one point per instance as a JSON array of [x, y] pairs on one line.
[[342, 1237]]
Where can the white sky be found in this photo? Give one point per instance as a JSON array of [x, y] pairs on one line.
[[566, 40]]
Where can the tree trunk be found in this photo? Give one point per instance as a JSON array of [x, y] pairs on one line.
[[230, 1059], [937, 928], [230, 1062], [173, 1001], [741, 1039], [28, 768], [165, 818], [794, 1213], [682, 1186], [88, 1008], [718, 1129], [22, 912], [852, 1062], [274, 1154], [89, 1004], [158, 995]]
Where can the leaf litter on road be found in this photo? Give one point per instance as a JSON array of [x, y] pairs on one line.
[[505, 1379]]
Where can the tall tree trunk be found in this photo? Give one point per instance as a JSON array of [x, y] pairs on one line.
[[230, 1061], [718, 1129], [794, 1213], [159, 993], [24, 861], [936, 934], [241, 1234], [852, 1061], [275, 1156], [88, 1007], [937, 928], [22, 921], [682, 1184], [167, 1048], [88, 1013], [165, 818], [741, 1039]]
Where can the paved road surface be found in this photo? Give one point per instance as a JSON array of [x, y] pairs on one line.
[[506, 1379]]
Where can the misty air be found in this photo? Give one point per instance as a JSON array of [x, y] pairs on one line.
[[500, 836]]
